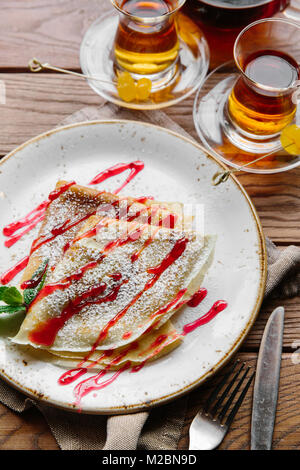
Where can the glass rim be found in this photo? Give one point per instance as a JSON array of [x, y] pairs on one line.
[[249, 26], [148, 19]]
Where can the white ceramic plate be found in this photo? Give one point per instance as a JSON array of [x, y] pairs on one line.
[[176, 169]]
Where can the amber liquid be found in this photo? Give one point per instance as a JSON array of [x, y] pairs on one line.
[[255, 110], [222, 20], [144, 47]]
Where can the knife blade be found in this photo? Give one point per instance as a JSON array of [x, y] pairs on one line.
[[266, 382]]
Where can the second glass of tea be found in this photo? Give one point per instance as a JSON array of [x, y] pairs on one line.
[[255, 103], [148, 39]]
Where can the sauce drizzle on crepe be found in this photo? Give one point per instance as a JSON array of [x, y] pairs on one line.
[[92, 384]]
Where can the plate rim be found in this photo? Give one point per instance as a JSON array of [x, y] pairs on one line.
[[262, 252]]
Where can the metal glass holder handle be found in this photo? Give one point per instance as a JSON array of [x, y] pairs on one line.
[[36, 66]]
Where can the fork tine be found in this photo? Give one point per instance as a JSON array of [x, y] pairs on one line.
[[239, 402], [215, 392], [233, 394], [226, 391]]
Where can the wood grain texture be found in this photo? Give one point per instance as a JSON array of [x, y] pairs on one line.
[[50, 30], [26, 431], [35, 103], [291, 337], [287, 424]]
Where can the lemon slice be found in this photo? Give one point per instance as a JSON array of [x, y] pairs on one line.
[[290, 139], [143, 89], [126, 87]]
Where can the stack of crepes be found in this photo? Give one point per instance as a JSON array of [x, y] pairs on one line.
[[117, 270]]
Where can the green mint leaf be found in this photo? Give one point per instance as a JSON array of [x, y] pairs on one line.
[[2, 290], [10, 295], [31, 293], [11, 318], [12, 309]]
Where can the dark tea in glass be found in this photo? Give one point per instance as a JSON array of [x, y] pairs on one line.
[[222, 20]]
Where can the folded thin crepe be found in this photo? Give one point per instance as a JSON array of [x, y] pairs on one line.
[[131, 275], [147, 348]]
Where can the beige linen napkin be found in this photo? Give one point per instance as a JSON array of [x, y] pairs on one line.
[[161, 428]]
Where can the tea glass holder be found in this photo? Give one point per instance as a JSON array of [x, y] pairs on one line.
[[239, 141], [177, 71]]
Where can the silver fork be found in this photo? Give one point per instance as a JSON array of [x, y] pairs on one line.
[[210, 425]]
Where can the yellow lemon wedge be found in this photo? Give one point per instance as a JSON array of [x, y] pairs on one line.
[[290, 139], [143, 89], [126, 87]]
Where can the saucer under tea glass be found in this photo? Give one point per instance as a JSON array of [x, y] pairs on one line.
[[243, 106], [148, 39]]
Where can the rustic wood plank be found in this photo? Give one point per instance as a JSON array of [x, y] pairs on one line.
[[287, 424], [291, 337], [36, 103], [49, 29], [276, 198], [26, 431]]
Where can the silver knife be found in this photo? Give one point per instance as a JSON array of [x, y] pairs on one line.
[[266, 382]]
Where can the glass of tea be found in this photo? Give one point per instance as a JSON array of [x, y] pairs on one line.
[[241, 115], [261, 102], [222, 20], [148, 39]]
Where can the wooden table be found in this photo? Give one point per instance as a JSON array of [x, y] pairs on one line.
[[52, 30]]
